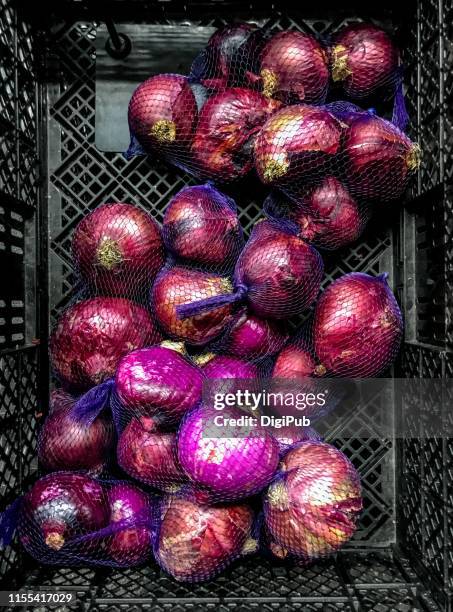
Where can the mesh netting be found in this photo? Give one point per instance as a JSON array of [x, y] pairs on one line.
[[194, 541], [232, 467], [248, 103], [72, 519], [91, 336], [201, 227], [312, 506], [277, 275], [65, 443], [117, 250], [357, 327]]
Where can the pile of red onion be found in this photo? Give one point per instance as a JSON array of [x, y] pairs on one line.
[[164, 313]]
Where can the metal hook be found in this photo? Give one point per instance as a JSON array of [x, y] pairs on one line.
[[118, 45]]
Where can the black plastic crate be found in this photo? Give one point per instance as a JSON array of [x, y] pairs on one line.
[[51, 174]]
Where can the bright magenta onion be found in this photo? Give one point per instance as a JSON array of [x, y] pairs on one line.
[[232, 467]]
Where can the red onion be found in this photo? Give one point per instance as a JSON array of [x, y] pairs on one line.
[[281, 272], [228, 123], [311, 508], [295, 361], [92, 336], [158, 381], [230, 467], [297, 143], [181, 285], [200, 216], [358, 326], [222, 366], [294, 68], [218, 66], [59, 507], [253, 338], [329, 216], [364, 58], [380, 159], [131, 545], [117, 249], [163, 113], [290, 435], [149, 455], [195, 542], [67, 444]]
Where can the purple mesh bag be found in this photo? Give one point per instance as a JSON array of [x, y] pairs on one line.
[[201, 227], [357, 327], [117, 250], [71, 519], [69, 443], [301, 146], [180, 284], [312, 506], [277, 275], [232, 463], [92, 335], [194, 541]]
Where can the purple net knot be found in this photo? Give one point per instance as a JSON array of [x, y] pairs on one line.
[[90, 405], [184, 311]]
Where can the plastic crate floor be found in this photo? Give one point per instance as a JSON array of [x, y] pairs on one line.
[[354, 581]]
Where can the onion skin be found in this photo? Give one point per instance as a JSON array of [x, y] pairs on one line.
[[91, 337], [379, 158], [158, 381], [252, 337], [363, 59], [222, 366], [58, 507], [221, 66], [228, 123], [290, 435], [330, 217], [65, 444], [282, 272], [358, 326], [118, 248], [294, 68], [181, 285], [311, 509], [231, 468], [149, 455], [200, 216], [296, 144], [194, 542], [130, 546], [163, 113], [294, 361]]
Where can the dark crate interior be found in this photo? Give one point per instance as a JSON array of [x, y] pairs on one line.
[[52, 174]]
